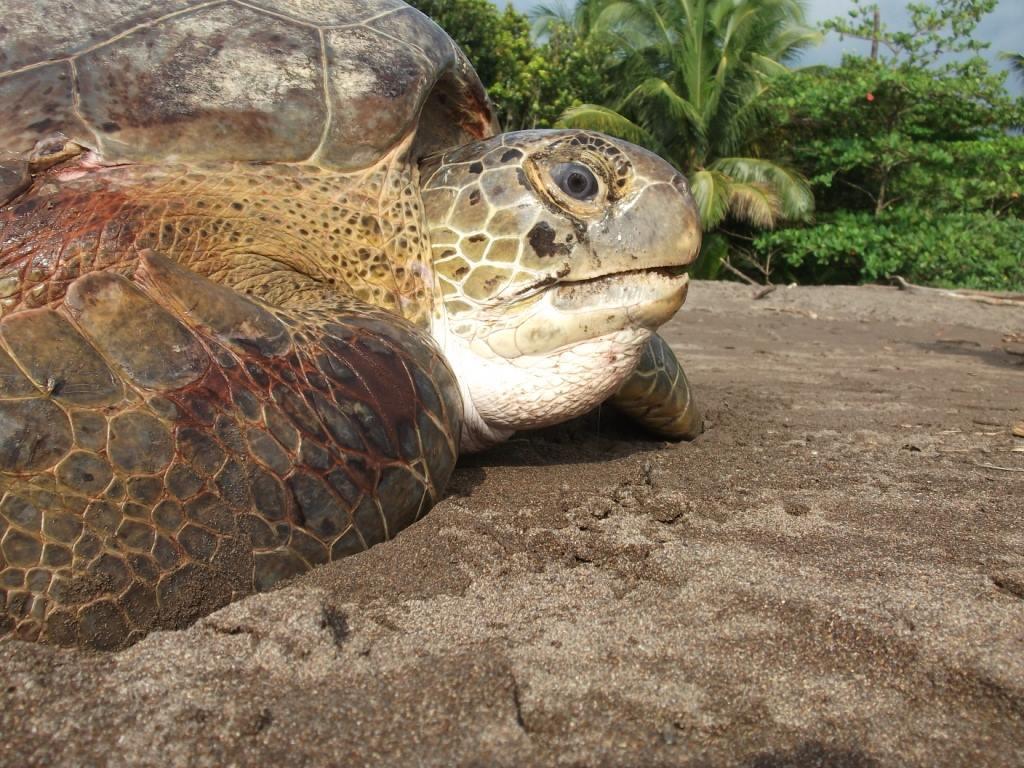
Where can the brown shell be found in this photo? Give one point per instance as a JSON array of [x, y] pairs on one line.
[[336, 82]]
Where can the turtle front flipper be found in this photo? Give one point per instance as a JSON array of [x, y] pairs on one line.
[[168, 445], [658, 396]]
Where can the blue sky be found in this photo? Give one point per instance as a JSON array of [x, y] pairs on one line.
[[1003, 28]]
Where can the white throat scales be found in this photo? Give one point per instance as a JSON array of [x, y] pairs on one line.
[[502, 395]]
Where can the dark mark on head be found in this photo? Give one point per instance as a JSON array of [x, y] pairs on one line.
[[542, 240]]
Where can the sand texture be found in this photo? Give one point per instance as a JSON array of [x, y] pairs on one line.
[[829, 576]]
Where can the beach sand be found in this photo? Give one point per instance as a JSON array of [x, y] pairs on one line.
[[829, 576]]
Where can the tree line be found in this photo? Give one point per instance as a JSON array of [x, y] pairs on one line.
[[906, 160]]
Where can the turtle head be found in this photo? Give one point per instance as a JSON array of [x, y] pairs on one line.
[[556, 254]]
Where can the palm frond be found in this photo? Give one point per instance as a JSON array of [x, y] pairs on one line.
[[675, 106], [767, 66], [1016, 61], [754, 203], [796, 201], [619, 15], [607, 120], [792, 40], [546, 18], [711, 193]]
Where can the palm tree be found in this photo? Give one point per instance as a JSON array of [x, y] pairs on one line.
[[698, 70], [1016, 63], [571, 20]]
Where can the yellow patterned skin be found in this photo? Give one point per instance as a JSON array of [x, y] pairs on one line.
[[278, 232], [551, 293]]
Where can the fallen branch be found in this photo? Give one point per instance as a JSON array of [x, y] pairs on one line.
[[993, 466], [1009, 299], [762, 290], [739, 274]]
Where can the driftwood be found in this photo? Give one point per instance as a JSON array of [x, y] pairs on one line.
[[1003, 299], [993, 466], [762, 290]]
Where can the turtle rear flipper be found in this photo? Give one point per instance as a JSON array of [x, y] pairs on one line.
[[168, 445], [658, 396]]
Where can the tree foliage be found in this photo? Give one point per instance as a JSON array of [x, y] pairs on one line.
[[911, 155], [874, 136], [531, 83], [913, 173], [938, 30], [963, 249]]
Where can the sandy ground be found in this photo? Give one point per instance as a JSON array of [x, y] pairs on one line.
[[830, 576]]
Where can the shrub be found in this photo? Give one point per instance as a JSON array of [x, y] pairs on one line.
[[968, 250]]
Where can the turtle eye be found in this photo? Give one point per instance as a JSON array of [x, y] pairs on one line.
[[576, 180]]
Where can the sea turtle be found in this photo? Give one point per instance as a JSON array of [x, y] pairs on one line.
[[264, 267]]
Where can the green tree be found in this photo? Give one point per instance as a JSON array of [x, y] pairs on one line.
[[551, 76], [1016, 63], [530, 83], [914, 166], [938, 29], [688, 80]]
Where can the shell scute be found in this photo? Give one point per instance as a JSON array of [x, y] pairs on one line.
[[370, 81], [51, 29], [330, 13], [219, 83], [405, 27], [337, 82]]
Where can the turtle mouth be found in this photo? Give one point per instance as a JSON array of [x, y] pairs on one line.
[[629, 289], [636, 278], [677, 271]]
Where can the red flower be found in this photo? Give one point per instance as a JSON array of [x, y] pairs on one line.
[[870, 96]]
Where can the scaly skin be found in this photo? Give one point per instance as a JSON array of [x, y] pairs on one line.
[[214, 377], [169, 445], [262, 230], [658, 396], [550, 306]]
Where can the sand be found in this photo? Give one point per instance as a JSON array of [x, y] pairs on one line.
[[829, 576]]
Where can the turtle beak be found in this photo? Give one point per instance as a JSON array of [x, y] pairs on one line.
[[656, 227], [639, 252]]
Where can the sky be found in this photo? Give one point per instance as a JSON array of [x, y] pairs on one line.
[[1003, 28]]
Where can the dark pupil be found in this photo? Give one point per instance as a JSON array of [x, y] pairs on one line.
[[577, 183], [576, 180]]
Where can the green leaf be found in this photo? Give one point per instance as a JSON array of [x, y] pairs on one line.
[[793, 193], [711, 192], [605, 119]]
